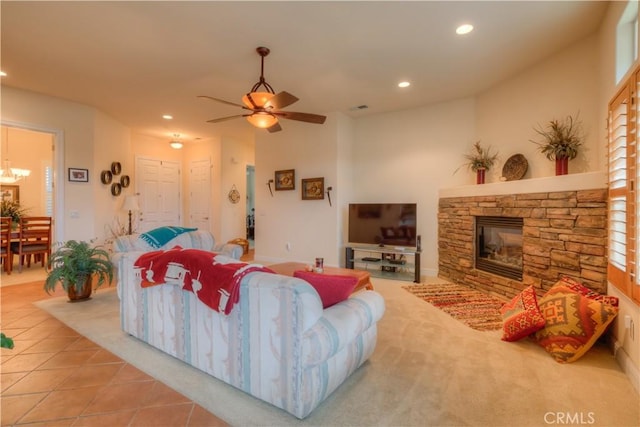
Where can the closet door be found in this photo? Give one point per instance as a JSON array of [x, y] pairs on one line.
[[158, 188]]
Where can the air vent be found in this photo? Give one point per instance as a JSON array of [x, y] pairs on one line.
[[359, 107]]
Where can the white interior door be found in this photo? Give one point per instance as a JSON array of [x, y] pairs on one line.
[[158, 188], [200, 194]]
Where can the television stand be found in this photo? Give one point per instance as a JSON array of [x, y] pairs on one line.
[[390, 263]]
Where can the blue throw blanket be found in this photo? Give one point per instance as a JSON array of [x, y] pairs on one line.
[[161, 235]]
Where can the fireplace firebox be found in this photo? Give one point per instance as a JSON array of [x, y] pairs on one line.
[[499, 246]]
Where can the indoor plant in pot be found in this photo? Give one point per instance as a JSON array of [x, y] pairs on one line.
[[561, 140], [74, 265], [480, 160]]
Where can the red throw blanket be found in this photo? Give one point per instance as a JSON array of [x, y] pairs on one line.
[[214, 278]]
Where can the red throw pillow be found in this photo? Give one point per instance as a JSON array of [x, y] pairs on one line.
[[521, 316], [331, 288]]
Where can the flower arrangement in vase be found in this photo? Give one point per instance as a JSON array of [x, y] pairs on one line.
[[480, 160], [561, 140]]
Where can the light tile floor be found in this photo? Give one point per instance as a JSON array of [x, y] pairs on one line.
[[56, 377]]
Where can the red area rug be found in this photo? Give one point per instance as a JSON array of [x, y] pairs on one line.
[[474, 308]]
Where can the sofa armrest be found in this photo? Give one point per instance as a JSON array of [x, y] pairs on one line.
[[229, 249], [340, 325]]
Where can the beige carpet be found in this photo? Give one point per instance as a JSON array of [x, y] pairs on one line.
[[428, 370]]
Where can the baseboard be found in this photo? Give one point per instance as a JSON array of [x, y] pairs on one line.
[[628, 367]]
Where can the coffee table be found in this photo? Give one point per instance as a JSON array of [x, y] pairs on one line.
[[364, 278]]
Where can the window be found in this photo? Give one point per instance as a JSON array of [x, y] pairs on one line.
[[623, 197], [627, 40]]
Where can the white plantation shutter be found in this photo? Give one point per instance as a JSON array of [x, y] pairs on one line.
[[623, 198]]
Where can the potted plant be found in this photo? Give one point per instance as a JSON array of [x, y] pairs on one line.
[[74, 264], [12, 209], [480, 160], [561, 140]]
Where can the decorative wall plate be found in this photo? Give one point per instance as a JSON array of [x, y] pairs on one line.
[[234, 195], [125, 181], [116, 189], [515, 167], [106, 177], [116, 168]]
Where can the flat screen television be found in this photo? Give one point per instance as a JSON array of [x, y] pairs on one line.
[[383, 224]]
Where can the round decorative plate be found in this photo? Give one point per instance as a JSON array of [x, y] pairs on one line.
[[234, 195], [116, 189], [515, 167], [116, 168], [106, 177], [125, 181]]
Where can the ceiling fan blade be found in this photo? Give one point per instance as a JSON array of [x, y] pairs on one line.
[[281, 100], [302, 117], [224, 119], [223, 101], [274, 128]]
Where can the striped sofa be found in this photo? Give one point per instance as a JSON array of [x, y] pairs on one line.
[[277, 344]]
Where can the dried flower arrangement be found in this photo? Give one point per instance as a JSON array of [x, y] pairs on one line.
[[561, 138], [480, 158]]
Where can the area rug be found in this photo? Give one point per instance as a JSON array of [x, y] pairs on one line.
[[474, 308]]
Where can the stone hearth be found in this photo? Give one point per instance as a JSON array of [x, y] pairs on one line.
[[564, 233]]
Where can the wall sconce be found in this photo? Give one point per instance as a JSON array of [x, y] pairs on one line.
[[269, 185], [329, 194], [130, 204]]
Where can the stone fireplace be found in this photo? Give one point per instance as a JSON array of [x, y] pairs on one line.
[[564, 232]]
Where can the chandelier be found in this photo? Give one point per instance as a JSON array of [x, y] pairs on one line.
[[9, 175]]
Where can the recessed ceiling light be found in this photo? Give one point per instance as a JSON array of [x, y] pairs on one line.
[[167, 116], [404, 84], [464, 29]]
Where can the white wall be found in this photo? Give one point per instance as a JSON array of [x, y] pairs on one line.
[[309, 226], [407, 156], [564, 84], [235, 157]]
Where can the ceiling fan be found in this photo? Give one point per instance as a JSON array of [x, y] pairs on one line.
[[265, 107]]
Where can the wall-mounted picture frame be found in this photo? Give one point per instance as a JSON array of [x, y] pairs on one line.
[[313, 189], [285, 179], [78, 175], [10, 193]]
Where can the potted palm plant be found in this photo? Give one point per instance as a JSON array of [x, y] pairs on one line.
[[74, 265], [480, 160], [561, 140]]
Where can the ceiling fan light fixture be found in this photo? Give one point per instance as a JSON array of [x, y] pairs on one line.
[[262, 120], [176, 144], [260, 99]]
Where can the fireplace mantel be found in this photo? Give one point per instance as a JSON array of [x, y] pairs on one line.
[[571, 182]]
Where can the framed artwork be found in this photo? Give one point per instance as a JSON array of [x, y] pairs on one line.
[[286, 179], [313, 189], [78, 175], [10, 193]]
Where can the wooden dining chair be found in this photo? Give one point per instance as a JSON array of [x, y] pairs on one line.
[[5, 243], [34, 240]]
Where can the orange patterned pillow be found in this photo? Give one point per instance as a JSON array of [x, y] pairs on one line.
[[521, 316], [581, 289], [573, 322]]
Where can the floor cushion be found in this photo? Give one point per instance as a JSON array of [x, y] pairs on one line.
[[521, 316], [573, 322]]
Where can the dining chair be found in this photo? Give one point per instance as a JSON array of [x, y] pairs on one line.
[[34, 239], [5, 243]]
